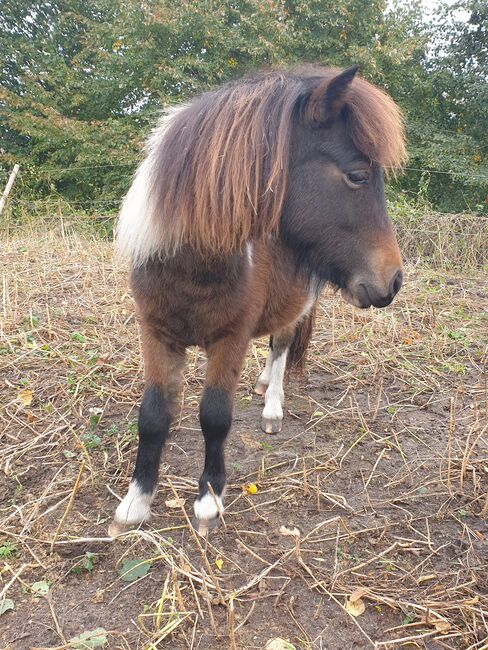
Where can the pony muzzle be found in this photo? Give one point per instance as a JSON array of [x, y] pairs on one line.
[[364, 292], [376, 284]]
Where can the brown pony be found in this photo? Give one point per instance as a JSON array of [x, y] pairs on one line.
[[250, 199]]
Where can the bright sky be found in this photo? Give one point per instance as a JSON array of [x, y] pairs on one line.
[[430, 9]]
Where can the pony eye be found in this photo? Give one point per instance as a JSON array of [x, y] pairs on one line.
[[357, 178]]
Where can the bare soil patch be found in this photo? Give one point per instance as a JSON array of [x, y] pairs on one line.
[[382, 468]]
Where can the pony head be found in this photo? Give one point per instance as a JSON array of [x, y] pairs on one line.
[[295, 154], [334, 215]]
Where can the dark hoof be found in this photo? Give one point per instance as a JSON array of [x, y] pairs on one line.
[[271, 426], [204, 526]]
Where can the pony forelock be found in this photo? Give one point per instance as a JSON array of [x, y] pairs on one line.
[[375, 124]]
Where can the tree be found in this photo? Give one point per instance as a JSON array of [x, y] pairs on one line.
[[83, 82], [454, 134]]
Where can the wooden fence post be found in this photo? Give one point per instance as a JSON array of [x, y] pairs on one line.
[[8, 187]]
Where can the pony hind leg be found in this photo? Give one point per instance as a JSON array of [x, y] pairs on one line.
[[263, 380], [288, 350], [163, 369], [225, 360], [274, 372]]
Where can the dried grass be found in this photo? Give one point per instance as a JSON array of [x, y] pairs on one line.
[[444, 241], [383, 467]]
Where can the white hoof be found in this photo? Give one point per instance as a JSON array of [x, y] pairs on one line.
[[271, 425], [134, 509], [208, 507], [115, 529]]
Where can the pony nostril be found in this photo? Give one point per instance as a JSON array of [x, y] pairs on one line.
[[396, 283], [363, 296]]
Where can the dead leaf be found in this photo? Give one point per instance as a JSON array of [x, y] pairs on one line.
[[289, 532], [356, 607], [357, 594], [219, 563], [99, 596], [262, 586], [279, 644], [25, 396], [175, 503], [441, 626], [430, 576]]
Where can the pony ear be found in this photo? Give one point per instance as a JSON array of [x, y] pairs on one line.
[[328, 99]]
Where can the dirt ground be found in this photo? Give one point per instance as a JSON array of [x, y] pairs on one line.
[[362, 525]]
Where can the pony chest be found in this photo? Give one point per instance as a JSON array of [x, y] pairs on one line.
[[285, 307]]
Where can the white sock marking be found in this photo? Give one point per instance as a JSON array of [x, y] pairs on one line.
[[207, 508], [135, 507], [274, 397], [265, 375]]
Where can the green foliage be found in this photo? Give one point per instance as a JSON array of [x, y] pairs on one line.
[[8, 549], [459, 67], [86, 564], [40, 588], [5, 605], [91, 441], [133, 569], [92, 639], [89, 561], [83, 82]]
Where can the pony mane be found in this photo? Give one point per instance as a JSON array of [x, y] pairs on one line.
[[215, 175]]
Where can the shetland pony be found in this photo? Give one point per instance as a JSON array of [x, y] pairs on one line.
[[249, 200]]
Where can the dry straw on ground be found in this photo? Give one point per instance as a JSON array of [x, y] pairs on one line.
[[368, 526]]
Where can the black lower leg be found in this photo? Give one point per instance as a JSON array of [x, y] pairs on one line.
[[215, 420], [154, 423]]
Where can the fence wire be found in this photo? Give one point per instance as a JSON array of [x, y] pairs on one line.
[[50, 171]]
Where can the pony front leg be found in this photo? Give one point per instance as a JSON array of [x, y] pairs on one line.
[[163, 368], [225, 360]]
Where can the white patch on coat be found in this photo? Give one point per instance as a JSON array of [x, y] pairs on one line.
[[308, 305], [250, 252], [315, 287], [208, 507], [274, 397], [135, 507], [139, 232]]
